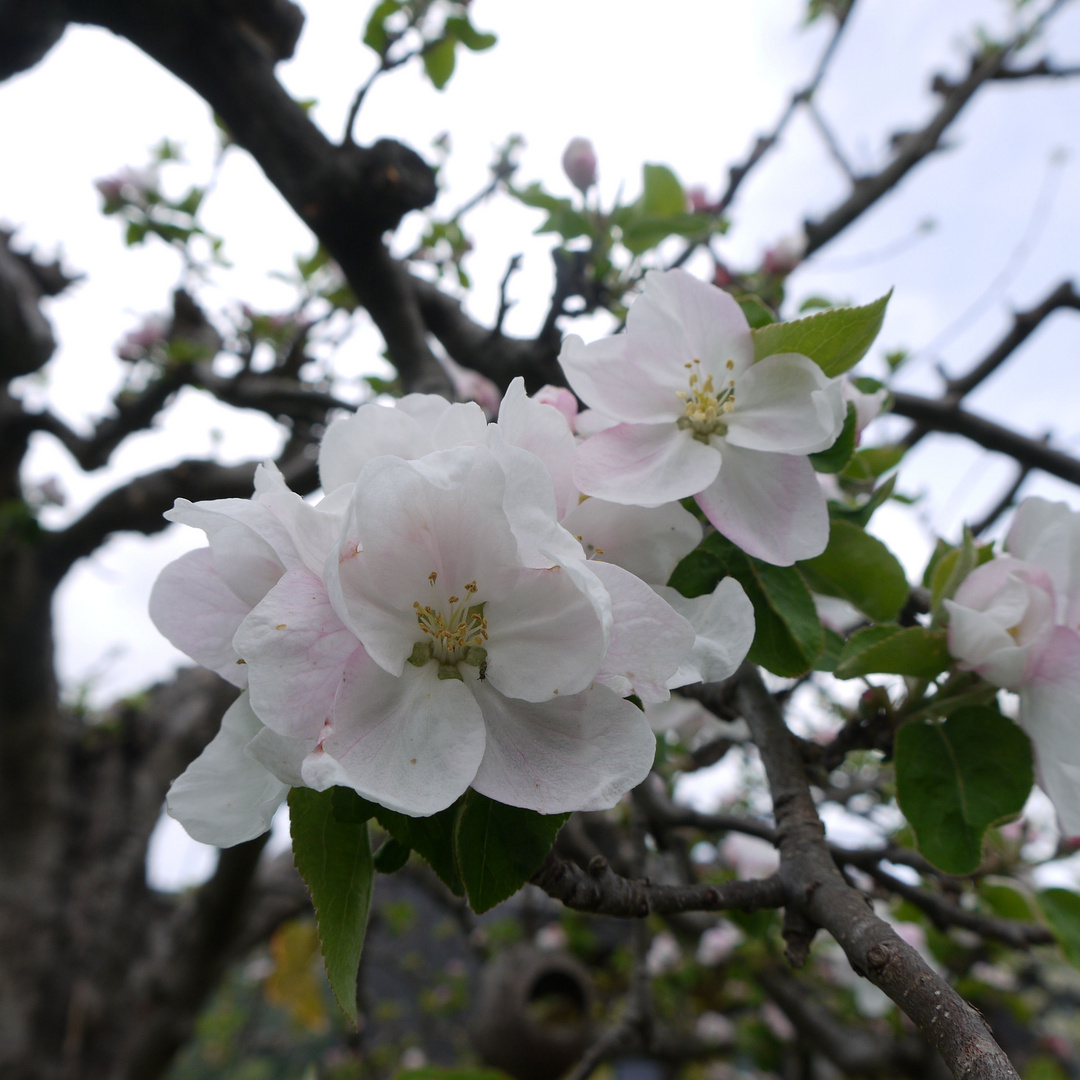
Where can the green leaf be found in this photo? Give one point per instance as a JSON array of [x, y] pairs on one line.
[[869, 462], [432, 838], [858, 568], [468, 35], [788, 637], [391, 856], [839, 454], [439, 61], [757, 312], [861, 515], [957, 778], [836, 339], [955, 565], [834, 645], [500, 847], [1005, 898], [662, 194], [442, 1072], [894, 650], [645, 231], [375, 35], [1061, 907], [334, 859]]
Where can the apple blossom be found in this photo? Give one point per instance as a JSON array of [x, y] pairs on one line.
[[1016, 621], [696, 416], [579, 163]]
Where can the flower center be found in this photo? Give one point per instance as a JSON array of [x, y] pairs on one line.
[[451, 637], [706, 406]]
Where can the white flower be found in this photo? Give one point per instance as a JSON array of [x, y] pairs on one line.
[[697, 417], [1015, 621]]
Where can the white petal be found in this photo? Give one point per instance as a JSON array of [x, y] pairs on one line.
[[198, 613], [373, 430], [1048, 535], [295, 648], [225, 797], [463, 424], [280, 754], [644, 464], [578, 753], [723, 624], [649, 542], [1050, 715], [543, 431], [771, 505], [649, 638], [638, 391], [785, 404], [679, 318], [549, 634], [411, 744]]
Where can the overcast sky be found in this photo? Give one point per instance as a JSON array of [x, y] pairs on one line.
[[691, 89]]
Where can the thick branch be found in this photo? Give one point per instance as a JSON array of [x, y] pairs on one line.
[[952, 420], [815, 887]]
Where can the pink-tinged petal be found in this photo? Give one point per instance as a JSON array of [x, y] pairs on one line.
[[983, 646], [373, 430], [548, 635], [785, 404], [649, 638], [543, 431], [251, 547], [199, 614], [578, 753], [1050, 714], [426, 409], [678, 319], [723, 624], [558, 397], [649, 542], [225, 797], [644, 464], [412, 744], [440, 515], [313, 529], [638, 391], [1048, 534], [771, 505], [295, 648], [592, 421]]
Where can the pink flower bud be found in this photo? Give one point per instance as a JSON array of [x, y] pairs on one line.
[[579, 164], [697, 199]]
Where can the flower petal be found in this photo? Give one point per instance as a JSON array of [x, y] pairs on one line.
[[199, 614], [723, 625], [771, 505], [644, 464], [577, 753], [649, 638], [1048, 534], [1049, 714], [295, 647], [785, 404], [411, 744], [224, 796], [373, 430], [649, 542]]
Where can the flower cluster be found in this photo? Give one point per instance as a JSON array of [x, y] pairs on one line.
[[1015, 621], [452, 614]]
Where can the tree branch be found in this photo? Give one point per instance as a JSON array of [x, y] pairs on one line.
[[814, 885]]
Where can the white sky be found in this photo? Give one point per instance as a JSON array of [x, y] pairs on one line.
[[692, 90]]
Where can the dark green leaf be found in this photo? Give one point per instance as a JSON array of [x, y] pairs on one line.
[[858, 568], [1061, 907], [500, 847], [870, 462], [662, 194], [957, 778], [894, 650], [645, 231], [334, 859], [834, 645], [375, 35], [468, 35], [861, 515], [836, 339], [391, 856], [442, 1072], [838, 455], [439, 61]]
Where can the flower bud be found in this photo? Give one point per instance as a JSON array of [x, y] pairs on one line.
[[579, 163]]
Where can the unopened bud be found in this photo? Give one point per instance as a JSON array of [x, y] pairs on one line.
[[579, 164]]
